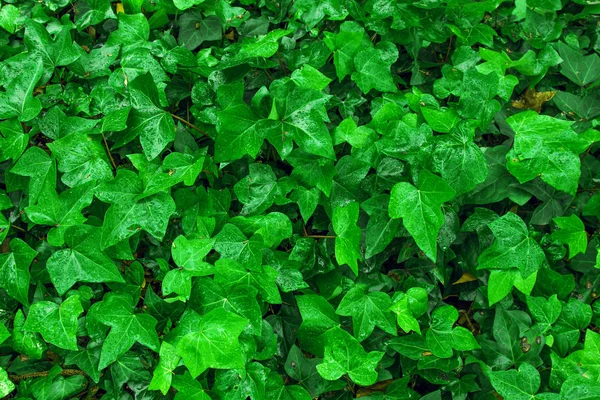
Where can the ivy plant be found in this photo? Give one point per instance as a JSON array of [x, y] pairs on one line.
[[299, 199]]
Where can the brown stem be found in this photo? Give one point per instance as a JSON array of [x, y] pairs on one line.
[[281, 63], [18, 228], [64, 372], [194, 127], [320, 237], [112, 161]]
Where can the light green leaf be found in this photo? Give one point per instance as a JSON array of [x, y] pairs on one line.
[[513, 248], [572, 233], [373, 68], [213, 343], [345, 355], [127, 328], [420, 209], [348, 235], [368, 310], [56, 323]]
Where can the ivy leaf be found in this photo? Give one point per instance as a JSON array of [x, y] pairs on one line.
[[513, 248], [188, 255], [54, 53], [163, 374], [345, 355], [258, 190], [56, 323], [318, 318], [367, 309], [213, 342], [459, 161], [441, 338], [14, 270], [347, 241], [41, 170], [346, 45], [61, 211], [373, 68], [236, 298], [13, 141], [6, 385], [577, 67], [301, 117], [195, 29], [127, 215], [17, 100], [420, 209], [239, 133], [81, 158], [520, 384], [127, 328], [381, 229], [312, 170], [408, 307], [83, 261], [275, 389], [547, 147], [232, 244], [230, 273], [572, 232], [147, 119]]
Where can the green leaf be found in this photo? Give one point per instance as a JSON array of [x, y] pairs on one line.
[[318, 318], [312, 170], [546, 147], [275, 389], [163, 374], [239, 299], [126, 327], [14, 270], [572, 233], [459, 161], [544, 311], [55, 52], [232, 244], [258, 190], [56, 323], [230, 273], [18, 100], [301, 118], [519, 384], [61, 211], [8, 18], [41, 170], [239, 133], [81, 158], [346, 45], [345, 355], [441, 338], [408, 307], [28, 343], [147, 119], [577, 67], [6, 385], [373, 68], [213, 342], [368, 310], [347, 241], [127, 215], [195, 29], [513, 248], [500, 284], [83, 261], [420, 209]]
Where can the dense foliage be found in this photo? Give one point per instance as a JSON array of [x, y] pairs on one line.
[[277, 199]]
